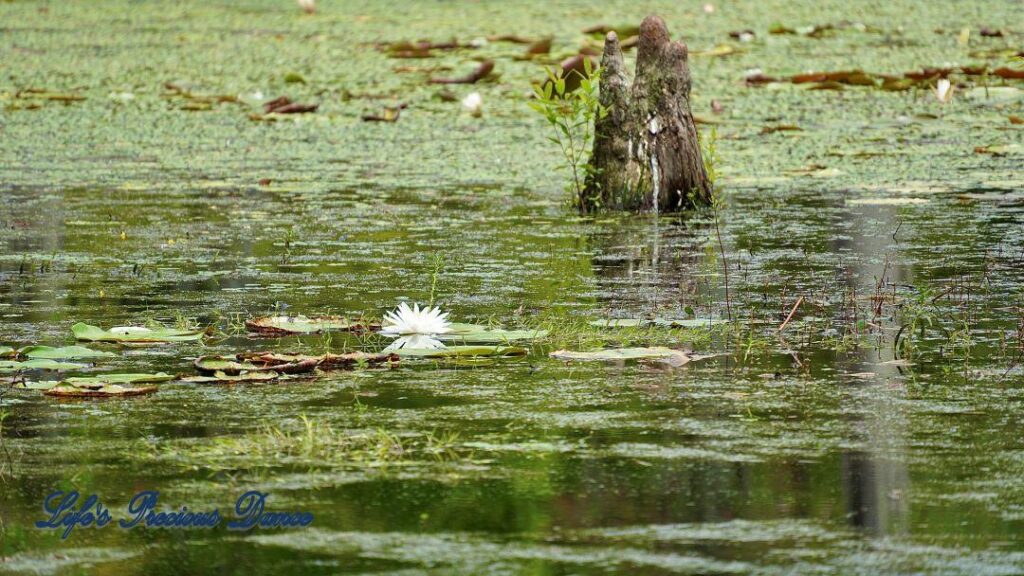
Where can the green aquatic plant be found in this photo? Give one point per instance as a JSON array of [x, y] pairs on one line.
[[718, 207], [571, 113]]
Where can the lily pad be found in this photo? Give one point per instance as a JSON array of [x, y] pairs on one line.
[[129, 334], [479, 334], [62, 353], [107, 379], [6, 351], [64, 390], [288, 363], [658, 353], [235, 365], [37, 385], [285, 325], [461, 352], [39, 364], [221, 377]]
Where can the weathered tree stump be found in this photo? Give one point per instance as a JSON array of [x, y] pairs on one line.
[[646, 156]]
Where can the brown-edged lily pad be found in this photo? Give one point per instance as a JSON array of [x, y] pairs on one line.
[[64, 390], [257, 362], [220, 377], [289, 363], [128, 378], [286, 325]]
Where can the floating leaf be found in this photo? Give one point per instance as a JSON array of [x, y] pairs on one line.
[[90, 333], [62, 353], [235, 365], [105, 379], [288, 363], [39, 364], [461, 352], [285, 325], [7, 351], [38, 385], [476, 333], [64, 390], [220, 377], [658, 353]]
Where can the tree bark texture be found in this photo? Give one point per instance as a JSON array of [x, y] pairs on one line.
[[646, 155]]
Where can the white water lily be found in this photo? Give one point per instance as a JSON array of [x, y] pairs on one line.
[[309, 6], [406, 321], [416, 341], [944, 90], [474, 104]]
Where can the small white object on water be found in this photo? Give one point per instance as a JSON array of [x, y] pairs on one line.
[[406, 321], [709, 8], [478, 42], [944, 90], [309, 6], [746, 37], [122, 96], [474, 104]]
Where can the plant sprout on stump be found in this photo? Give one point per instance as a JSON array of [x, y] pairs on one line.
[[646, 156]]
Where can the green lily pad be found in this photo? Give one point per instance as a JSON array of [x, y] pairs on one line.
[[220, 377], [38, 385], [109, 379], [129, 334], [461, 352], [658, 353], [285, 325], [62, 353], [6, 351], [479, 334], [39, 364], [65, 390]]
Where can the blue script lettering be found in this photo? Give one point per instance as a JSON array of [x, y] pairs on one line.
[[142, 509], [249, 509], [61, 508]]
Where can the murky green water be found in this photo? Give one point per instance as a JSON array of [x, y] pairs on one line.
[[813, 452]]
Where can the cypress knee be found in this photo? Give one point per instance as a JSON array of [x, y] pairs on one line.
[[646, 155]]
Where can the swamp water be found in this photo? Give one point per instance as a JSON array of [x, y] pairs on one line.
[[879, 433]]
